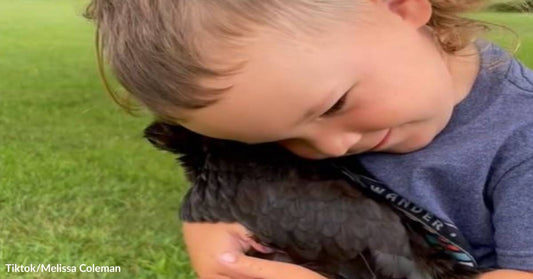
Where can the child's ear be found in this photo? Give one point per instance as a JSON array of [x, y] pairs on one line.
[[414, 12]]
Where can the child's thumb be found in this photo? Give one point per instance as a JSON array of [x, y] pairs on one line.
[[258, 268]]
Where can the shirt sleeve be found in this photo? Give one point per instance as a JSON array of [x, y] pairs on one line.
[[512, 217]]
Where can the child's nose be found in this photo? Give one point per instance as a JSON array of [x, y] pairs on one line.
[[336, 145]]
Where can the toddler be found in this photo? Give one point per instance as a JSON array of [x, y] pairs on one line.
[[442, 118]]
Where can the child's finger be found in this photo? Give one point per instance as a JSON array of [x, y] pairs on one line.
[[250, 267]]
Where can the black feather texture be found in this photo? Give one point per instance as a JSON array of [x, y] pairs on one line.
[[304, 209]]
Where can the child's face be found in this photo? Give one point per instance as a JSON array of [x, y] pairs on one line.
[[364, 86]]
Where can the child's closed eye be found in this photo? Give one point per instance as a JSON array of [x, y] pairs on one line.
[[337, 106]]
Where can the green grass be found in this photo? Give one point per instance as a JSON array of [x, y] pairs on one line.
[[78, 184], [521, 24]]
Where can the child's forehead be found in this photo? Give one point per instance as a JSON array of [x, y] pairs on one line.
[[281, 81], [272, 50], [261, 109], [265, 40]]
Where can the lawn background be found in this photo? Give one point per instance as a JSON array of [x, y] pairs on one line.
[[78, 184]]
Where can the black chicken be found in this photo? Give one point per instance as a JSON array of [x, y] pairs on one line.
[[305, 210]]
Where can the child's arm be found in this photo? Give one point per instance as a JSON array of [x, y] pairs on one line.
[[207, 243], [250, 267], [507, 274]]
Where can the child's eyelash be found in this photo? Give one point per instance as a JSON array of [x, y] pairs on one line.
[[337, 106]]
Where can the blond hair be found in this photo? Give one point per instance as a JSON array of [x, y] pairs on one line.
[[157, 49]]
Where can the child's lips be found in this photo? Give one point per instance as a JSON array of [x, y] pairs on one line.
[[383, 141]]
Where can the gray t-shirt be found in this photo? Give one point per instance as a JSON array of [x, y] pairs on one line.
[[478, 172]]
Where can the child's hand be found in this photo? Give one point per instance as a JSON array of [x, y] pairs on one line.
[[208, 243], [254, 268]]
